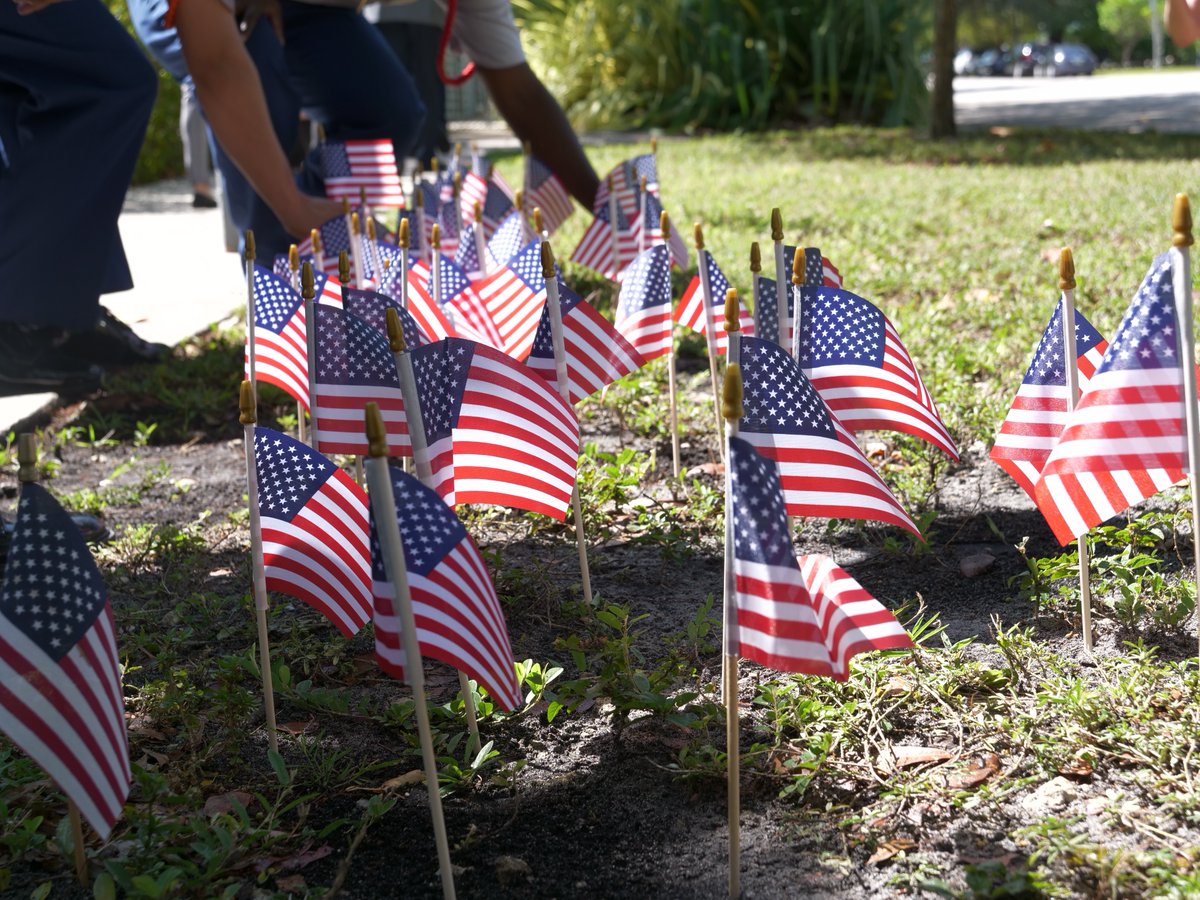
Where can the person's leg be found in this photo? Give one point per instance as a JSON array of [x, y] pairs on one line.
[[194, 134], [415, 45]]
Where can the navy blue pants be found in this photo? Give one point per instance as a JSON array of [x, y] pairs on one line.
[[75, 98], [335, 67]]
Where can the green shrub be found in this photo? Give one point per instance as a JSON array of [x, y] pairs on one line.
[[728, 63]]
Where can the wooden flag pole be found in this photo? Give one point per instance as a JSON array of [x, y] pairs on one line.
[[731, 409], [457, 195], [755, 274], [612, 229], [346, 218], [248, 418], [423, 251], [248, 261], [373, 245], [642, 214], [1066, 284], [480, 241], [27, 473], [403, 240], [308, 292], [383, 502], [554, 307], [672, 392], [710, 328], [294, 270], [1181, 268], [363, 206], [435, 263], [785, 339], [318, 251], [519, 205], [356, 252], [420, 449]]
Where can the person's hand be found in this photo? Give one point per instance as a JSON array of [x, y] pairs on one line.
[[249, 12], [309, 213], [28, 7]]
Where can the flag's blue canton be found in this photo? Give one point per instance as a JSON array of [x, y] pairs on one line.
[[389, 258], [539, 173], [454, 280], [274, 301], [1146, 338], [814, 271], [654, 211], [509, 238], [543, 341], [411, 215], [838, 327], [602, 214], [768, 309], [480, 165], [334, 163], [1047, 367], [349, 351], [281, 267], [289, 473], [448, 217], [644, 165], [496, 205], [778, 398], [760, 525], [718, 284], [52, 590], [647, 282], [335, 237], [431, 198], [441, 371], [466, 257], [429, 529], [527, 265], [372, 308]]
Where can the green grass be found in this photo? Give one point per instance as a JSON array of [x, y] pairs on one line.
[[958, 242]]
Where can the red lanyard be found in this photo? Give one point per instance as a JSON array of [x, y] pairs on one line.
[[469, 70]]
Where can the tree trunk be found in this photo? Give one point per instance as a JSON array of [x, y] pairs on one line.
[[945, 27]]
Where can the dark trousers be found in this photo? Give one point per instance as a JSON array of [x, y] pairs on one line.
[[75, 97], [416, 45]]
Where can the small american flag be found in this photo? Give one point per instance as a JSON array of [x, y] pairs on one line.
[[474, 190], [1039, 411], [1127, 438], [497, 206], [859, 366], [644, 303], [689, 311], [794, 614], [372, 307], [464, 308], [817, 270], [456, 611], [595, 249], [280, 340], [651, 224], [545, 191], [626, 181], [508, 239], [466, 257], [597, 354], [429, 315], [355, 366], [314, 530], [824, 473], [61, 699], [349, 166], [514, 296]]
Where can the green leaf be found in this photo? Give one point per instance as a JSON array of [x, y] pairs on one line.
[[104, 888], [281, 770]]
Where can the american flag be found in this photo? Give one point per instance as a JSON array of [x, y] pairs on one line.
[[456, 611], [514, 296], [515, 440], [438, 212], [824, 473], [1039, 411], [859, 366], [61, 699], [1126, 439], [497, 206], [596, 353], [314, 530], [545, 191], [651, 225], [626, 180], [355, 365], [689, 311], [464, 308], [817, 270], [348, 166], [507, 240], [644, 303], [474, 190], [595, 249], [429, 315], [390, 258], [794, 614], [335, 237], [372, 307], [466, 257], [280, 340]]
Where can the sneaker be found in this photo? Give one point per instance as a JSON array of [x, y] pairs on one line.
[[37, 360], [113, 343], [203, 201]]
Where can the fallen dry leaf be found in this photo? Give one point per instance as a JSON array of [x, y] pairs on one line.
[[416, 776], [708, 468], [1076, 769], [979, 770], [223, 803], [295, 861], [298, 727], [898, 757], [888, 849], [292, 884]]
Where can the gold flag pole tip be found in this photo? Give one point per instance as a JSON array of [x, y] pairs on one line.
[[1066, 270], [1181, 222], [547, 261], [247, 404], [377, 445], [731, 392], [395, 331]]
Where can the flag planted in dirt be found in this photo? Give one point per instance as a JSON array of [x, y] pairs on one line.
[[817, 271], [626, 179], [650, 224], [644, 303], [280, 340], [794, 614], [462, 305], [823, 472], [859, 366], [314, 530], [61, 698], [595, 248], [1126, 439], [689, 311], [1039, 411], [349, 167], [372, 307], [466, 257], [546, 192], [514, 296], [597, 354], [458, 616], [508, 239]]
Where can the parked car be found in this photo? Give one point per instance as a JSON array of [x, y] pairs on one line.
[[1029, 58], [991, 61], [1069, 59]]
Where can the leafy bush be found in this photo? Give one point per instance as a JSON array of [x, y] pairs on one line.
[[728, 63]]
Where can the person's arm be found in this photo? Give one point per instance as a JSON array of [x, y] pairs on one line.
[[1182, 19], [535, 116], [232, 99]]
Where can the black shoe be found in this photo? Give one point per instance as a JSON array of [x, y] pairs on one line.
[[203, 201], [37, 360], [113, 343]]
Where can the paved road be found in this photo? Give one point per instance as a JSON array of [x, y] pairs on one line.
[[1164, 101]]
